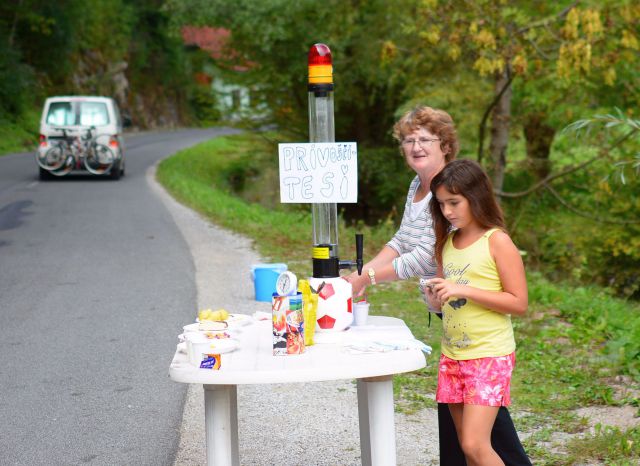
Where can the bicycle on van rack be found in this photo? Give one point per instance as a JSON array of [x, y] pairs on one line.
[[75, 151]]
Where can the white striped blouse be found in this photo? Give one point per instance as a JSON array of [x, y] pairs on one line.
[[414, 241]]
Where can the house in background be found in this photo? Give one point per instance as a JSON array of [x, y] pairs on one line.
[[232, 101]]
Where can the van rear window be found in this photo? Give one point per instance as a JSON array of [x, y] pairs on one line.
[[61, 113], [84, 113], [93, 114]]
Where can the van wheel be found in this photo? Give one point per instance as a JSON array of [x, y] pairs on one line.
[[115, 172], [44, 175]]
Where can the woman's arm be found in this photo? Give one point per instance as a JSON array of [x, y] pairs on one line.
[[382, 264], [513, 299]]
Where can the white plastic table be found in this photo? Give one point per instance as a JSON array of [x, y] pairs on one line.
[[253, 363]]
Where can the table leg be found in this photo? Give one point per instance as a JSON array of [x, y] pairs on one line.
[[221, 425], [377, 424]]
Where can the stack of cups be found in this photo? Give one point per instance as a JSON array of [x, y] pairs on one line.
[[360, 313]]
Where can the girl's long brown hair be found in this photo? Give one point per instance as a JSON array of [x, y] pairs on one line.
[[467, 178]]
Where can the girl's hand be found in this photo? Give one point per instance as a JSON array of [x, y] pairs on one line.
[[432, 298], [444, 289]]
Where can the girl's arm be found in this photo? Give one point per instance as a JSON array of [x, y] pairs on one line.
[[514, 297]]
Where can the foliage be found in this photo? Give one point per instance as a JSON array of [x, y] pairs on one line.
[[581, 242], [447, 54], [609, 445], [573, 343], [14, 135], [204, 106], [558, 56], [609, 122], [568, 241], [273, 38], [108, 47], [15, 80]]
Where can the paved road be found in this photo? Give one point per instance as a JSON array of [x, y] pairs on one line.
[[95, 278]]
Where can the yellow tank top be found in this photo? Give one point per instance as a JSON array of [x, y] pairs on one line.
[[471, 330]]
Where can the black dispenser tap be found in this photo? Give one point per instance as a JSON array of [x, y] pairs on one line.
[[359, 262]]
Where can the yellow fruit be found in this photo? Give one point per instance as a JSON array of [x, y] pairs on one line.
[[208, 314], [222, 314]]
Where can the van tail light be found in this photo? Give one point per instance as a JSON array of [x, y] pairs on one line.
[[113, 142], [43, 140]]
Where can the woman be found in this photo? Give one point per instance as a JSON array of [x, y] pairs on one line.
[[428, 141]]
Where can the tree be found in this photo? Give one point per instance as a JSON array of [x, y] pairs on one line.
[[110, 47], [274, 37], [589, 73], [559, 48]]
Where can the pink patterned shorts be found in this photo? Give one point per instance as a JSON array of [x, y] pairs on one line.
[[482, 381]]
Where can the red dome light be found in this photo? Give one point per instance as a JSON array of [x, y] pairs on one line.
[[320, 67], [319, 54]]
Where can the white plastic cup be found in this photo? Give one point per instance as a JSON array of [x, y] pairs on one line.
[[360, 313]]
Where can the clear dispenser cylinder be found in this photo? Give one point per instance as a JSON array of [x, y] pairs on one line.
[[325, 227], [321, 121], [321, 129]]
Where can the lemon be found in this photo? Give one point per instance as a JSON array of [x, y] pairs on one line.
[[208, 314]]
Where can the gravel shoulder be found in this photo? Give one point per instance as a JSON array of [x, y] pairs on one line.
[[290, 424]]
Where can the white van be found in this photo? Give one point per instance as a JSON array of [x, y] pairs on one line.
[[77, 119]]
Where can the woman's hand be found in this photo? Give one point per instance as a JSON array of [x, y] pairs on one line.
[[358, 282]]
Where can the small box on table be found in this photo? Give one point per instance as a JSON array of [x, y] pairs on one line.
[[288, 324]]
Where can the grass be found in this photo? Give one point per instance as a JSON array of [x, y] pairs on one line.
[[19, 136], [577, 347]]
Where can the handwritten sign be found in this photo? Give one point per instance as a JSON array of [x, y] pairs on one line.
[[318, 172]]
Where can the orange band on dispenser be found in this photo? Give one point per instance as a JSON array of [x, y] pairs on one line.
[[321, 74]]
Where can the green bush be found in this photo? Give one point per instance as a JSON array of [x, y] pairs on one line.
[[203, 103], [19, 134], [597, 319], [596, 240]]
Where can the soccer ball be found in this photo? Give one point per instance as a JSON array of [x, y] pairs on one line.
[[335, 310]]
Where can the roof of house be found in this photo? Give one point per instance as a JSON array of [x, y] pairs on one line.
[[214, 41]]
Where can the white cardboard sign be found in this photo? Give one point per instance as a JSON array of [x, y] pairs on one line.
[[315, 172]]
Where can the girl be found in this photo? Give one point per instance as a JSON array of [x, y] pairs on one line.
[[481, 282]]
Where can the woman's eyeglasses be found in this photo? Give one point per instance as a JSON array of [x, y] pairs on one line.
[[422, 142]]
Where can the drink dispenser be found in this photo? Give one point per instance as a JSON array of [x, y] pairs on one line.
[[335, 302]]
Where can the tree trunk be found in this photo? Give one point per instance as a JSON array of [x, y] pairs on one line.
[[500, 123], [539, 137], [14, 24]]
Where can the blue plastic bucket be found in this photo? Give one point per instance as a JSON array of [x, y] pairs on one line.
[[264, 279]]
